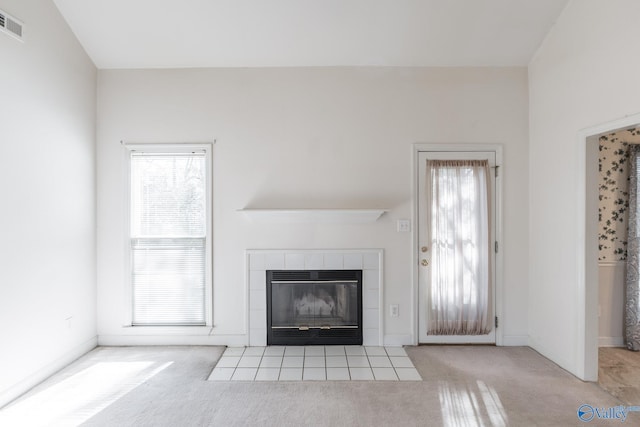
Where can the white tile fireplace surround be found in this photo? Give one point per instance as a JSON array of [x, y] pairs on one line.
[[370, 261]]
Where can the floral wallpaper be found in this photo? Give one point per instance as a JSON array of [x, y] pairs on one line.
[[614, 193]]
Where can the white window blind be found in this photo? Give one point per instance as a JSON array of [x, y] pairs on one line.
[[168, 238]]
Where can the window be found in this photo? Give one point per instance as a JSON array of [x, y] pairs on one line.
[[170, 235]]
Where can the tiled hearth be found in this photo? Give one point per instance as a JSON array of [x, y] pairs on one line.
[[368, 260], [314, 363]]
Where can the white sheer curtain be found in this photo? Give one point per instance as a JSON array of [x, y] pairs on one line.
[[459, 301]]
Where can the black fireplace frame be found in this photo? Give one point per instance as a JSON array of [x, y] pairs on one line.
[[314, 336]]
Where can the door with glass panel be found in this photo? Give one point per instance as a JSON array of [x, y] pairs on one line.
[[456, 228]]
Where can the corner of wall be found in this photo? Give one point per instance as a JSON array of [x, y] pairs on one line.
[[16, 390]]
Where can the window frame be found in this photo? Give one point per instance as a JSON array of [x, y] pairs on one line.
[[178, 148]]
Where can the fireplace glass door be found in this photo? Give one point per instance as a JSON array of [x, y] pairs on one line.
[[314, 305], [309, 310]]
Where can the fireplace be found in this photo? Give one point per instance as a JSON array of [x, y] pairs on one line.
[[369, 261], [314, 307]]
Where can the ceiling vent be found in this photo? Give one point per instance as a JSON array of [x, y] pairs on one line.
[[11, 26]]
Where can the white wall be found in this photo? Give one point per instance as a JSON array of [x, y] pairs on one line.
[[611, 284], [585, 74], [47, 183], [301, 138]]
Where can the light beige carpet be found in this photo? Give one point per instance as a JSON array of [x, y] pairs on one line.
[[167, 386]]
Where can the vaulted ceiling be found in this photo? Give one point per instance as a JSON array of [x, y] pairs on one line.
[[275, 33]]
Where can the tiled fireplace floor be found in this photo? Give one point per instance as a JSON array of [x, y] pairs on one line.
[[314, 363]]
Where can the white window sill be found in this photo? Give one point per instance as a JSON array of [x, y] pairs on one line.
[[167, 330]]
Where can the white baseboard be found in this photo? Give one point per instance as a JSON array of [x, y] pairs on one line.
[[132, 340], [15, 391], [611, 342], [515, 340], [565, 364], [397, 340]]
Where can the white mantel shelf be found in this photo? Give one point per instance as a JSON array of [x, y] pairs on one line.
[[325, 216]]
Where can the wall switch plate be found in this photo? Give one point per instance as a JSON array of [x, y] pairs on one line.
[[404, 225], [394, 310]]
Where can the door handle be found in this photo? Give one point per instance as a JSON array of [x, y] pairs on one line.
[[424, 262]]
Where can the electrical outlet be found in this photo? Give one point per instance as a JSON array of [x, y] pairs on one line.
[[403, 225], [394, 310]]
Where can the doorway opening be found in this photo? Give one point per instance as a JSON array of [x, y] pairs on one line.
[[589, 245], [617, 367]]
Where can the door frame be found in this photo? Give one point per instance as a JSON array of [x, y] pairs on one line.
[[415, 250], [587, 296]]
